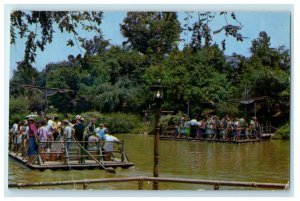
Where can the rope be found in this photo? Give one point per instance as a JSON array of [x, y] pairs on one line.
[[107, 170]]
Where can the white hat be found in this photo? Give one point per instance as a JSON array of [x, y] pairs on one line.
[[66, 121]]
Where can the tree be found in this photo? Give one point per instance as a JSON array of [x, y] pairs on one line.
[[64, 75], [192, 77], [202, 31], [97, 45], [25, 24], [267, 73], [151, 32], [261, 45]]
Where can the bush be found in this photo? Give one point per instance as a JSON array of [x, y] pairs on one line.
[[17, 108], [168, 120], [116, 122], [283, 132]]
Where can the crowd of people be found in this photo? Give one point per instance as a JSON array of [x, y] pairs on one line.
[[213, 127], [31, 132]]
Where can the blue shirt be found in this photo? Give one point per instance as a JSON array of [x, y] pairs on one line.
[[101, 133]]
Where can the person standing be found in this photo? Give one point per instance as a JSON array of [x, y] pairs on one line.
[[32, 140], [236, 129], [24, 129], [14, 133], [79, 129], [20, 136], [90, 130], [56, 128], [209, 127], [110, 140], [67, 133], [194, 127], [43, 135]]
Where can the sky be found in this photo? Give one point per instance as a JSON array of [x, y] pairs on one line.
[[276, 24]]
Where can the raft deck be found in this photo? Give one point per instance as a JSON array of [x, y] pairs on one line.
[[208, 140], [88, 164], [76, 157]]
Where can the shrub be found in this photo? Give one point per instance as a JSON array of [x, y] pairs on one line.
[[116, 122], [283, 132], [17, 108], [168, 120]]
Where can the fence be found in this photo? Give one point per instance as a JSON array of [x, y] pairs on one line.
[[215, 183]]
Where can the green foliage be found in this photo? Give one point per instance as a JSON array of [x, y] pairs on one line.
[[18, 108], [227, 108], [168, 120], [283, 132], [192, 77], [116, 80], [266, 74], [59, 115], [116, 122], [202, 32], [151, 32], [27, 23]]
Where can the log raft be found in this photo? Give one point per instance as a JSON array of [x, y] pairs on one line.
[[189, 139], [76, 158]]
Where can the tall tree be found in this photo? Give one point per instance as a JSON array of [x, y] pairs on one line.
[[267, 73], [151, 32]]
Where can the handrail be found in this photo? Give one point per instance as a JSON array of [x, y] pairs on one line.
[[215, 183], [76, 142], [119, 149]]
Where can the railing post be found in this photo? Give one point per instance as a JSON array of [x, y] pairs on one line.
[[84, 185], [141, 184], [122, 150], [216, 186]]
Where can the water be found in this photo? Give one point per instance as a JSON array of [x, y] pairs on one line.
[[266, 161]]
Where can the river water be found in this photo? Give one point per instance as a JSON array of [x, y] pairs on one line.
[[265, 161]]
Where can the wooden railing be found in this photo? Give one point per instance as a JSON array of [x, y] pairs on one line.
[[58, 148], [215, 183]]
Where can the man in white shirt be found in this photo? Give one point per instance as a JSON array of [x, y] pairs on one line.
[[109, 145]]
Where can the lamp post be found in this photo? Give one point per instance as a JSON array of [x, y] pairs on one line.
[[156, 88]]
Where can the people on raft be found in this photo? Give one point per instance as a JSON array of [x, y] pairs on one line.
[[215, 128], [33, 134]]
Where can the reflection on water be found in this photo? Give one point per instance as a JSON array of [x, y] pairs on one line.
[[266, 161]]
